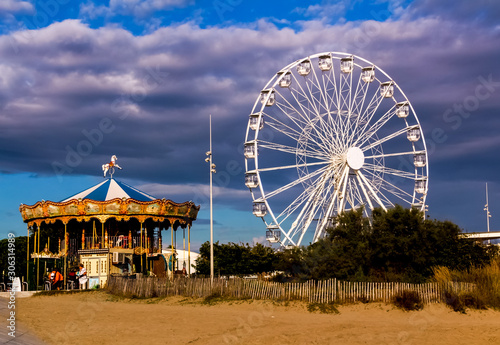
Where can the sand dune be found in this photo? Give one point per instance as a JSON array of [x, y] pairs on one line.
[[99, 318]]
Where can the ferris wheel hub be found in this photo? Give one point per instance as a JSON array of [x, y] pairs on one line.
[[355, 158]]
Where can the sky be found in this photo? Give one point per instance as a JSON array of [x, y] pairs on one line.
[[83, 80]]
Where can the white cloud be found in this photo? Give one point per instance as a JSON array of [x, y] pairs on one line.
[[15, 6], [199, 192], [91, 11], [260, 239]]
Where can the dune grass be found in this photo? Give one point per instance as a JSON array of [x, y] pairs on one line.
[[486, 293]]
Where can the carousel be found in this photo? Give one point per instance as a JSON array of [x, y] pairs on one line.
[[111, 228]]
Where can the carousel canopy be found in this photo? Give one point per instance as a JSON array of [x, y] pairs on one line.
[[110, 199], [111, 189]]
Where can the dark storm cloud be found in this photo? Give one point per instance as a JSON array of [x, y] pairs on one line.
[[147, 98]]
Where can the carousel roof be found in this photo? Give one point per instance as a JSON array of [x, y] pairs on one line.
[[111, 189], [110, 199]]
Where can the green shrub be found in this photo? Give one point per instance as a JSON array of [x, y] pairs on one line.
[[473, 301], [213, 298], [324, 308], [452, 299], [408, 300]]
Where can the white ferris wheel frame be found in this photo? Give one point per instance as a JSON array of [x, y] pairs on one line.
[[330, 133]]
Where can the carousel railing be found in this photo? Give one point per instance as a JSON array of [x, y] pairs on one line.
[[121, 242]]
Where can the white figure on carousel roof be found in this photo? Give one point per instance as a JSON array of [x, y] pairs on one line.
[[110, 166]]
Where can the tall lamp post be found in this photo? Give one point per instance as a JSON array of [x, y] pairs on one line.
[[487, 209], [212, 171]]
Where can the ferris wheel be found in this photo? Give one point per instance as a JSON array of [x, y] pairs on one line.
[[329, 133]]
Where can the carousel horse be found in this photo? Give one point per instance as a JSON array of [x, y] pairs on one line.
[[110, 165]]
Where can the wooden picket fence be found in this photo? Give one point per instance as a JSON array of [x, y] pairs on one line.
[[324, 291]]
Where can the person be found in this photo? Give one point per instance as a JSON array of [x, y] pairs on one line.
[[72, 278], [56, 279], [82, 276], [52, 275]]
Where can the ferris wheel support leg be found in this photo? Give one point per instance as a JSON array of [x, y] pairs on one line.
[[294, 225], [375, 196], [345, 176], [322, 228], [318, 193], [364, 190]]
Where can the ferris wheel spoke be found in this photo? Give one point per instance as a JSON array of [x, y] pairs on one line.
[[313, 210], [402, 196], [357, 105], [302, 120], [321, 227], [392, 188], [329, 126], [365, 136], [384, 139], [294, 134], [309, 198], [357, 197], [367, 116], [311, 124], [314, 89], [299, 133], [282, 128], [292, 150], [360, 97], [395, 154], [344, 110], [292, 184], [330, 88], [391, 171], [350, 199], [332, 100], [367, 197], [301, 92], [297, 202], [289, 167], [371, 189]]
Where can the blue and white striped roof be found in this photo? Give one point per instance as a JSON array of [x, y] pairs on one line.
[[111, 189]]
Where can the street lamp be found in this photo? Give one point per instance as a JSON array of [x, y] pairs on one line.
[[212, 171], [487, 209]]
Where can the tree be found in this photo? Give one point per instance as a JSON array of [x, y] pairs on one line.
[[399, 245], [236, 259], [19, 251]]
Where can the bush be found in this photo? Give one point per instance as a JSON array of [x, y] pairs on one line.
[[453, 300], [213, 298], [473, 301], [324, 308], [408, 300]]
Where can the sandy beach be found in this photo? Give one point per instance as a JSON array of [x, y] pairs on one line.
[[100, 318]]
